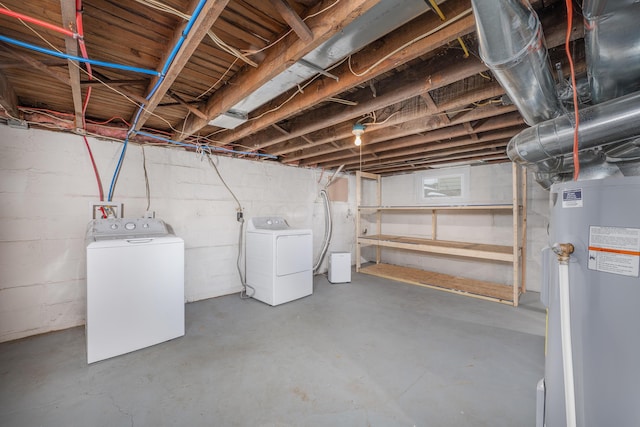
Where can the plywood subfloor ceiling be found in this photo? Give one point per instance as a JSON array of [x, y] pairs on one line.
[[423, 100]]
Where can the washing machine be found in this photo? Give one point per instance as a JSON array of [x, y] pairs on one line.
[[135, 286], [279, 260]]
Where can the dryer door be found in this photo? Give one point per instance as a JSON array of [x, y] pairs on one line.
[[293, 254]]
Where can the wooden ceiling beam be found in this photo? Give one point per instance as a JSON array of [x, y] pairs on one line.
[[433, 150], [343, 130], [434, 128], [295, 22], [471, 131], [48, 70], [118, 82], [323, 89], [19, 64], [472, 157], [205, 20], [185, 104], [396, 89], [305, 124], [68, 9], [8, 98], [277, 59], [445, 154], [429, 146]]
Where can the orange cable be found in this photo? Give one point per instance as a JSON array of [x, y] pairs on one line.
[[576, 159]]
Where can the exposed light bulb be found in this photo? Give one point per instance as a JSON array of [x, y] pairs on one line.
[[358, 130]]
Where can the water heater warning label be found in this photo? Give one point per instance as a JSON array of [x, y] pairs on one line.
[[572, 198], [614, 250]]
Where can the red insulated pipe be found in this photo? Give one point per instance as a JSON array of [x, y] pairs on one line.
[[35, 21]]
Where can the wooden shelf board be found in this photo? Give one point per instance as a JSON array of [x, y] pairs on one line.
[[471, 250], [508, 207], [460, 285]]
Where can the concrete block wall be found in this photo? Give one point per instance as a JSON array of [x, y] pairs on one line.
[[489, 184], [47, 185]]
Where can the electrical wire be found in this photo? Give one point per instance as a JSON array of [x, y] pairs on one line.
[[157, 5], [576, 158], [206, 147], [253, 52], [409, 43], [146, 178], [240, 216]]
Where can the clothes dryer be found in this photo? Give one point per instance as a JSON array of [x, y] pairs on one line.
[[279, 260]]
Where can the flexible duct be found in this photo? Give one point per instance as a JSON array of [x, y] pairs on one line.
[[512, 46], [612, 48]]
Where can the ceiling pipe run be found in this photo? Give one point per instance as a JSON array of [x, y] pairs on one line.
[[512, 46]]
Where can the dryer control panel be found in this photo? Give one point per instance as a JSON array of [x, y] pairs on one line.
[[268, 223]]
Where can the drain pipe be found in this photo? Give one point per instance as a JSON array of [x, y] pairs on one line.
[[564, 251]]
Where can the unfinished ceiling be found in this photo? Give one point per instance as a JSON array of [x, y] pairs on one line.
[[276, 80]]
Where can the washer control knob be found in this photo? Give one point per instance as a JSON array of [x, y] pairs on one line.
[[130, 226], [269, 222], [114, 226], [146, 225]]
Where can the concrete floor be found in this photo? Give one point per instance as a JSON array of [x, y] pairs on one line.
[[369, 353]]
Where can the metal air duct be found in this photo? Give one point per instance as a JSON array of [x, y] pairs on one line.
[[612, 47], [512, 46], [544, 145]]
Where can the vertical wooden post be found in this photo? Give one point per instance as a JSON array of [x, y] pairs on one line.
[[434, 225], [516, 238], [379, 218], [524, 230], [358, 213]]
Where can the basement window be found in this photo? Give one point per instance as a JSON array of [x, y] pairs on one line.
[[444, 187]]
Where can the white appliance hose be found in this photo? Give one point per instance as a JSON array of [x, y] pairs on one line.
[[567, 354], [328, 228]]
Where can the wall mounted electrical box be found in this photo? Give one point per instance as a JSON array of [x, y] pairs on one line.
[[103, 210]]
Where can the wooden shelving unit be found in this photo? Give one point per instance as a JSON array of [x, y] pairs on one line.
[[513, 254]]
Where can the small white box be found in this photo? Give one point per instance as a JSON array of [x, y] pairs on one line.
[[339, 267]]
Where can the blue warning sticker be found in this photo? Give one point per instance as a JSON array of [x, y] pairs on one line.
[[572, 198]]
